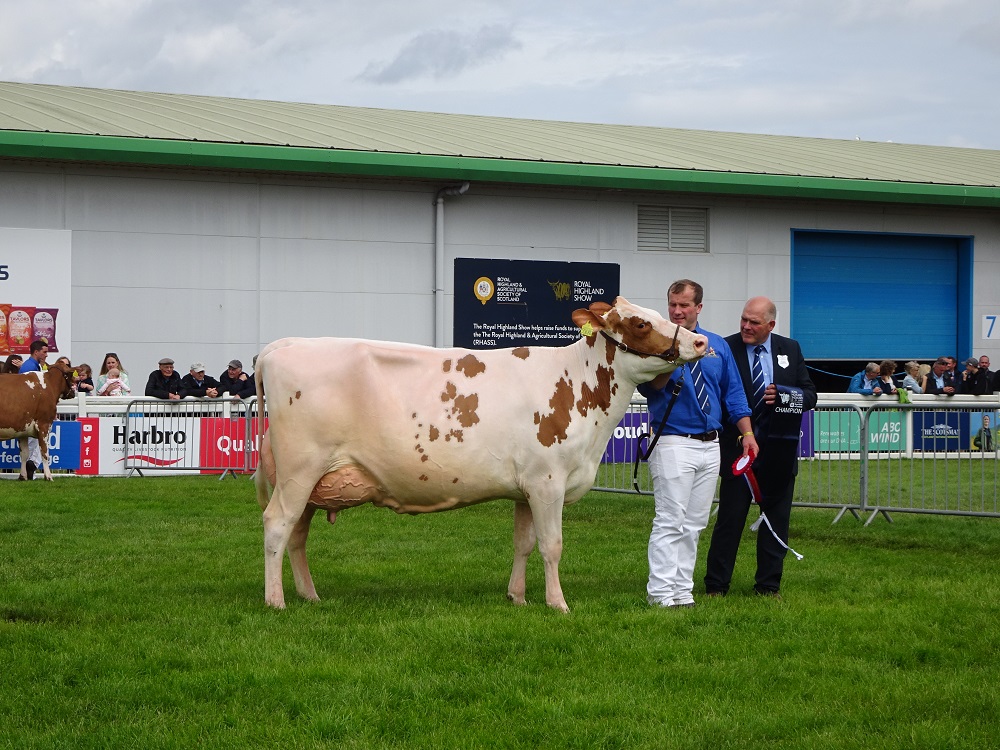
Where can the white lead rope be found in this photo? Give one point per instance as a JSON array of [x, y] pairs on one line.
[[742, 466]]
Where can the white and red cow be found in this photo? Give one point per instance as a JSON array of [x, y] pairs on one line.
[[28, 408], [419, 429]]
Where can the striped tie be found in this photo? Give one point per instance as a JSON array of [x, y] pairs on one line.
[[699, 387], [757, 373]]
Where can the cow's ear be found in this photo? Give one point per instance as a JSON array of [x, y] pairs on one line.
[[584, 317]]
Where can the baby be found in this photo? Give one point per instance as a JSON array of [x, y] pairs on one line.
[[114, 385]]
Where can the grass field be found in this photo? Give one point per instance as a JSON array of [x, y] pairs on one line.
[[131, 615]]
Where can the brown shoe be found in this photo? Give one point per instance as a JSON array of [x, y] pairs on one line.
[[715, 593], [769, 594]]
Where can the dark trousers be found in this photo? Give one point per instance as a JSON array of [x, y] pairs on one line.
[[734, 504]]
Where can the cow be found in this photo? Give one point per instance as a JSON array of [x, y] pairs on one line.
[[418, 429], [28, 408]]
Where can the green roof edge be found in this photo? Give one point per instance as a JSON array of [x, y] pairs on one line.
[[274, 158]]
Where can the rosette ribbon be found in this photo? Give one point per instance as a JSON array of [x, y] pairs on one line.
[[743, 467]]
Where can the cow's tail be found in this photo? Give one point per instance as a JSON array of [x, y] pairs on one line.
[[261, 484]]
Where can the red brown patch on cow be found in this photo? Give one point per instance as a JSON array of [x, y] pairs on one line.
[[521, 352], [449, 391], [434, 433], [425, 457], [455, 480], [470, 365], [422, 477], [552, 427], [465, 409], [298, 395], [446, 365], [598, 397], [457, 434], [290, 400]]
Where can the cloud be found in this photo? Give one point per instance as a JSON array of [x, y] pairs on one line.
[[443, 54]]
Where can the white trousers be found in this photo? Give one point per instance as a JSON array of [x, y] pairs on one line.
[[684, 473]]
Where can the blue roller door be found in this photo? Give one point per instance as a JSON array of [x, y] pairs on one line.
[[870, 296]]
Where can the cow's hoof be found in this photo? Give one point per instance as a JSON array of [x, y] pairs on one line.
[[519, 600], [275, 604]]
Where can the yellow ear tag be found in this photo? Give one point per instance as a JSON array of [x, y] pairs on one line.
[[76, 374], [587, 329]]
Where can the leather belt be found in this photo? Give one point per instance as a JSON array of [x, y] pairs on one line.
[[705, 437]]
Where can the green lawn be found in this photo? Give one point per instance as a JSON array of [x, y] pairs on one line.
[[131, 615]]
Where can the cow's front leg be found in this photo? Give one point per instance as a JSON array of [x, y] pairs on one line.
[[43, 448], [524, 542], [547, 514], [297, 555]]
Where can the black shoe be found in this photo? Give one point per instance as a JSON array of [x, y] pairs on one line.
[[31, 470]]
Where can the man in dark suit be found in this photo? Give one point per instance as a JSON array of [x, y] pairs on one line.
[[776, 422]]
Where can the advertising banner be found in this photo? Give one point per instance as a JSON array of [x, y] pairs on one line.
[[941, 431], [506, 303], [224, 443], [64, 448]]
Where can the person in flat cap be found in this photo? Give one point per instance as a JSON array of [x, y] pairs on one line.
[[197, 383], [939, 380], [164, 382], [236, 383], [975, 381]]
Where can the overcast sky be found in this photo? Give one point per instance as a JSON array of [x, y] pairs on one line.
[[909, 71]]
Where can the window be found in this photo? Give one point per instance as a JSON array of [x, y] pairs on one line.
[[682, 230]]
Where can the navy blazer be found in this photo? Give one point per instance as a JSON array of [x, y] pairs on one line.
[[795, 375]]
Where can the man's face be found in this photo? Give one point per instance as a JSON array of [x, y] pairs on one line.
[[42, 354], [198, 374], [167, 370], [754, 324], [940, 367], [234, 372], [683, 310], [984, 363], [952, 362]]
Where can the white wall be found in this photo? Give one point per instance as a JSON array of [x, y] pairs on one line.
[[211, 266]]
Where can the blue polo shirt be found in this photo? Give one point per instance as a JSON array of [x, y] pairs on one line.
[[30, 364], [726, 397]]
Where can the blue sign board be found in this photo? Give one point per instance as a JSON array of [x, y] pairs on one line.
[[64, 448]]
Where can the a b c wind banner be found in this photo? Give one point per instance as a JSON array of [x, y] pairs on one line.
[[504, 303]]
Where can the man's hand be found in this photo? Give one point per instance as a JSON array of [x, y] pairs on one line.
[[750, 445]]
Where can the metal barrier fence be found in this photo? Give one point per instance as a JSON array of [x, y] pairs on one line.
[[864, 455], [858, 454]]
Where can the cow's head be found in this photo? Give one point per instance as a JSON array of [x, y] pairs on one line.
[[68, 379], [642, 332]]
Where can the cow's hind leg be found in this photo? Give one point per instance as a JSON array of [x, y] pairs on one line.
[[524, 542], [23, 445], [283, 512], [297, 555], [546, 511]]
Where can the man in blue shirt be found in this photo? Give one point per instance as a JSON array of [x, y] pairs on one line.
[[684, 463], [866, 382]]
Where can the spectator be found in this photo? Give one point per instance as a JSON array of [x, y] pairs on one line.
[[939, 380], [64, 361], [84, 379], [974, 380], [235, 382], [867, 381], [196, 383], [111, 362], [35, 362], [991, 377], [885, 372], [164, 382], [114, 384], [911, 380], [12, 365], [953, 368]]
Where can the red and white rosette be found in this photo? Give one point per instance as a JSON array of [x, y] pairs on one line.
[[743, 467]]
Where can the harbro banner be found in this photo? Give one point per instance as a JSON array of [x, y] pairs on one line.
[[505, 303]]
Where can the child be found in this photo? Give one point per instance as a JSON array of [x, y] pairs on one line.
[[85, 380], [114, 385]]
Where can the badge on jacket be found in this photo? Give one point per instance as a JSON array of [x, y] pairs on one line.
[[782, 360]]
